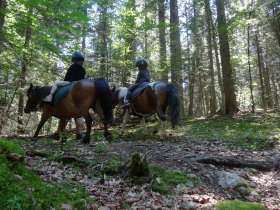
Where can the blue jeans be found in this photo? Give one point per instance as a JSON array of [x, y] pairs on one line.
[[131, 89]]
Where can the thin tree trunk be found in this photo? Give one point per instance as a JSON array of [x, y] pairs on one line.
[[191, 88], [103, 44], [230, 98], [260, 72], [175, 48], [3, 5], [275, 90], [249, 65], [23, 75], [213, 103], [129, 39], [162, 42]]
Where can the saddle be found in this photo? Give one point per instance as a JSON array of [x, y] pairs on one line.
[[61, 93], [138, 90]]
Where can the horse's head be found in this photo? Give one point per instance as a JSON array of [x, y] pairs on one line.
[[29, 104], [114, 97]]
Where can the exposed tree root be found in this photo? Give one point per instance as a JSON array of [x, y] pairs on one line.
[[231, 161]]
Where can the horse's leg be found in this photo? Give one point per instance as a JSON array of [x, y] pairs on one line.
[[142, 121], [62, 124], [161, 115], [156, 127], [99, 111], [125, 118], [88, 120], [44, 118], [163, 133]]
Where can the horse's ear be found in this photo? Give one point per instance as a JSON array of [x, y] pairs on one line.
[[31, 86], [114, 88]]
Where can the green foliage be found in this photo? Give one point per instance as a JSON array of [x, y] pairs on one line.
[[238, 205]]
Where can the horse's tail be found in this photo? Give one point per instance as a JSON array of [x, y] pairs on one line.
[[173, 99], [105, 98]]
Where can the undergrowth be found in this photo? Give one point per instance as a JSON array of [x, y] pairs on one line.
[[18, 186]]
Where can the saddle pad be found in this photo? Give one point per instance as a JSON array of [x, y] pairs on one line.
[[62, 92], [139, 90]]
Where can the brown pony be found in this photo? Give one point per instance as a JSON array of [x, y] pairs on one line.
[[156, 98], [83, 95]]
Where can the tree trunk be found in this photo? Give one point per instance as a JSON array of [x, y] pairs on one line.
[[230, 98], [191, 88], [102, 40], [3, 5], [175, 48], [260, 72], [249, 65], [23, 73], [277, 23], [129, 39], [267, 85], [213, 106], [162, 41]]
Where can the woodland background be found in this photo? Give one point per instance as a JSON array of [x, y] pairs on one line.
[[221, 55]]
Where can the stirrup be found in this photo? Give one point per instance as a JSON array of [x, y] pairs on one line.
[[126, 106]]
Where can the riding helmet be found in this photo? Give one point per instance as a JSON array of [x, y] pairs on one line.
[[142, 63], [78, 57]]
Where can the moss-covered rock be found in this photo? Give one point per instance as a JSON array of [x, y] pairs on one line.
[[239, 205], [112, 166], [10, 147]]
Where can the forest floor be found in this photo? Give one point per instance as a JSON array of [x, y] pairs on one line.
[[243, 136]]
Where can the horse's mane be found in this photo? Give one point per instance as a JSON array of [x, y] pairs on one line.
[[39, 92]]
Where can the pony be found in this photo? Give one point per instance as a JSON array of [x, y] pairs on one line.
[[155, 98], [83, 95]]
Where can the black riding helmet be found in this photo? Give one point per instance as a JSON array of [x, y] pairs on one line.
[[142, 63], [77, 56]]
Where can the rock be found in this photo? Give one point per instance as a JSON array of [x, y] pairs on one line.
[[189, 184], [251, 170], [255, 195], [258, 190], [243, 190], [232, 180], [193, 176], [277, 184], [187, 204]]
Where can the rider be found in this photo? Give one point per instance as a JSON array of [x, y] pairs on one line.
[[75, 72], [143, 76]]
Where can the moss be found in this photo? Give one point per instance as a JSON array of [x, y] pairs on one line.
[[239, 205], [10, 147], [13, 195], [112, 166], [166, 179]]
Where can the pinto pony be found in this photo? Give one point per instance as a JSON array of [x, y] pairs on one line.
[[83, 95], [156, 98]]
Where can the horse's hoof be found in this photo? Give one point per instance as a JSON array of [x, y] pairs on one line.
[[86, 140], [109, 138]]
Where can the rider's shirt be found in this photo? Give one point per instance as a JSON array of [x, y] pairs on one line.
[[75, 72], [143, 76]]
